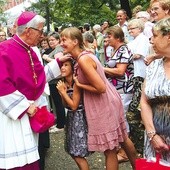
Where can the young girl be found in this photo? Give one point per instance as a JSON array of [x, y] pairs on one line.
[[76, 125]]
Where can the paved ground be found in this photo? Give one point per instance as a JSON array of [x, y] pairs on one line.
[[58, 159]]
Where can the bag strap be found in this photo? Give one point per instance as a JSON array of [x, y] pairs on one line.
[[158, 157]]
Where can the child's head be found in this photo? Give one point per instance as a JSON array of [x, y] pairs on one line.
[[67, 68]]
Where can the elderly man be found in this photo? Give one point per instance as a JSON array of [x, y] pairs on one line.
[[22, 83], [122, 19]]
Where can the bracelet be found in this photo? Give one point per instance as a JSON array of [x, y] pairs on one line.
[[150, 138], [150, 132]]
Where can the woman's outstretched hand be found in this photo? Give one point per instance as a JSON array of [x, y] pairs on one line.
[[62, 57]]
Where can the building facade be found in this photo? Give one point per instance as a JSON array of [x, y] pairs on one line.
[[12, 3], [14, 8]]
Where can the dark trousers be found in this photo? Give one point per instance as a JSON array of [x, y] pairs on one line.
[[134, 117], [59, 108], [43, 145]]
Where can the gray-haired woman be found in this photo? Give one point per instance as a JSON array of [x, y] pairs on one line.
[[155, 100]]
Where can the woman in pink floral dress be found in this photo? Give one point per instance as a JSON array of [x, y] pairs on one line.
[[103, 106]]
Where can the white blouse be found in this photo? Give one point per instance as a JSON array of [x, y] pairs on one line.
[[140, 45]]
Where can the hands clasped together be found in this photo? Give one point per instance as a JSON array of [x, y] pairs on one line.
[[31, 110], [61, 86]]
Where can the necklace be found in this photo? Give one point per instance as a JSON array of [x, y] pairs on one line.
[[117, 49], [31, 60], [69, 84]]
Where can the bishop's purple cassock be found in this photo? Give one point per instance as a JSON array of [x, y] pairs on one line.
[[20, 84]]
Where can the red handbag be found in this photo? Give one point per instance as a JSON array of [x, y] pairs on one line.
[[42, 120], [143, 164]]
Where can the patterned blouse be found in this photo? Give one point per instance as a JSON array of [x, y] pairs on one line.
[[122, 55], [157, 84]]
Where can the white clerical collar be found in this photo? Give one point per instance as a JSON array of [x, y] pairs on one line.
[[22, 40]]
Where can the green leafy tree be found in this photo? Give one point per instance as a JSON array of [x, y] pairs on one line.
[[2, 4], [2, 15], [78, 12], [53, 11], [91, 12], [143, 3]]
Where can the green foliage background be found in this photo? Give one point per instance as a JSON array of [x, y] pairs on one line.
[[78, 12], [2, 17]]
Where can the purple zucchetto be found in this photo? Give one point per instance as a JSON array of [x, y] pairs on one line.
[[25, 17]]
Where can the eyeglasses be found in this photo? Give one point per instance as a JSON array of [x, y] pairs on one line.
[[129, 29], [40, 31], [140, 17]]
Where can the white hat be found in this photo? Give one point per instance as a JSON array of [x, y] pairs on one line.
[[143, 14]]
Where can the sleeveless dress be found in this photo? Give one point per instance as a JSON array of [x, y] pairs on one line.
[[76, 130], [158, 92], [104, 113]]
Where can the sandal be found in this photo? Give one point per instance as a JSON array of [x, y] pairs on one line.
[[122, 157]]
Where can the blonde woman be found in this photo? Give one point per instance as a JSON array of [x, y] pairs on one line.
[[103, 106]]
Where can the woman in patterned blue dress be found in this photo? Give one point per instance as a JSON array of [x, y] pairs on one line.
[[76, 125]]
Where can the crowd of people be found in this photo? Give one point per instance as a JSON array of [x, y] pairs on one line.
[[107, 85]]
